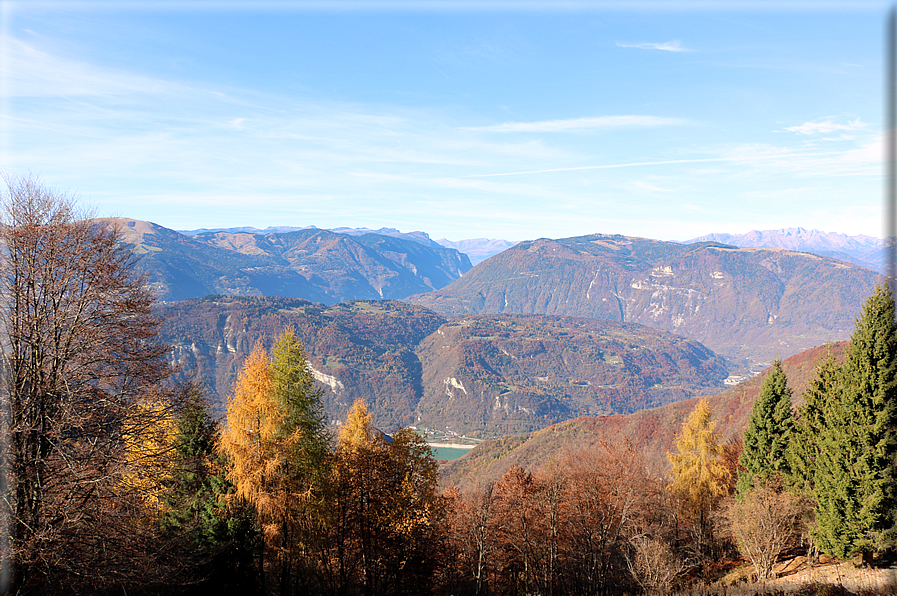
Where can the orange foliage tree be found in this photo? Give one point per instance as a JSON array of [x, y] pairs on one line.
[[276, 448], [386, 517], [566, 528]]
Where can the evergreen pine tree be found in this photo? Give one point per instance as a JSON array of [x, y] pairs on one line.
[[302, 422], [769, 431], [196, 511], [193, 504], [803, 449], [854, 470]]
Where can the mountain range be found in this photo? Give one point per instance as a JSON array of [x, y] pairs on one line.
[[865, 251], [476, 249], [747, 304], [542, 332], [484, 375], [313, 264]]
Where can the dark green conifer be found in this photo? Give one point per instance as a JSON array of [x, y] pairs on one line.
[[218, 537], [192, 507], [809, 423], [769, 431], [300, 401], [854, 470]]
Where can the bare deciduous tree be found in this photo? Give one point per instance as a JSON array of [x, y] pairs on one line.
[[80, 353], [654, 565], [764, 523]]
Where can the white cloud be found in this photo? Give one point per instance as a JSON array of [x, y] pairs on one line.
[[578, 124], [667, 46], [31, 72], [826, 127]]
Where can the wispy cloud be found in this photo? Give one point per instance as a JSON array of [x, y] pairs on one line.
[[579, 124], [826, 127], [667, 46]]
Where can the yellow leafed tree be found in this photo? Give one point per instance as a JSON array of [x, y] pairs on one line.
[[277, 448], [249, 439], [356, 432], [386, 511], [149, 452], [698, 474]]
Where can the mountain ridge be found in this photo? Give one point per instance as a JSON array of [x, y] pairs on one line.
[[314, 264], [486, 374], [748, 304], [866, 251]]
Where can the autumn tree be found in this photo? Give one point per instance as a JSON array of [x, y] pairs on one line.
[[473, 528], [522, 531], [768, 433], [80, 352], [764, 522], [274, 441], [609, 499], [387, 517], [699, 477], [654, 564]]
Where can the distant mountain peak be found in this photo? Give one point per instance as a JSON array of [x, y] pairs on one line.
[[866, 251]]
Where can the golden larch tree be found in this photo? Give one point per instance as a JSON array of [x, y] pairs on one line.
[[149, 449], [356, 432], [249, 436], [277, 449], [699, 475]]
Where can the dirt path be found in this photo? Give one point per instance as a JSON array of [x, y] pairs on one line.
[[794, 573]]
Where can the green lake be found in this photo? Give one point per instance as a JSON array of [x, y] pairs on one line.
[[448, 452]]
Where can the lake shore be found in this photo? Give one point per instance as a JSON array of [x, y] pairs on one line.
[[451, 445]]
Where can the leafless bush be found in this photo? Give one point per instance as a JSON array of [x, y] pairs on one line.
[[654, 565], [764, 523]]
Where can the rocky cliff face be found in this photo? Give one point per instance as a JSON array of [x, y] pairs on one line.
[[313, 264], [479, 375], [750, 305]]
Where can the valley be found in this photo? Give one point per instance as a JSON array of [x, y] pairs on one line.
[[541, 333], [482, 375]]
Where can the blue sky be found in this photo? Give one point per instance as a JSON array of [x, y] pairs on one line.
[[510, 120]]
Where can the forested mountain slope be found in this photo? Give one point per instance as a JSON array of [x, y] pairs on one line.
[[652, 430], [478, 375], [744, 303], [313, 264]]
